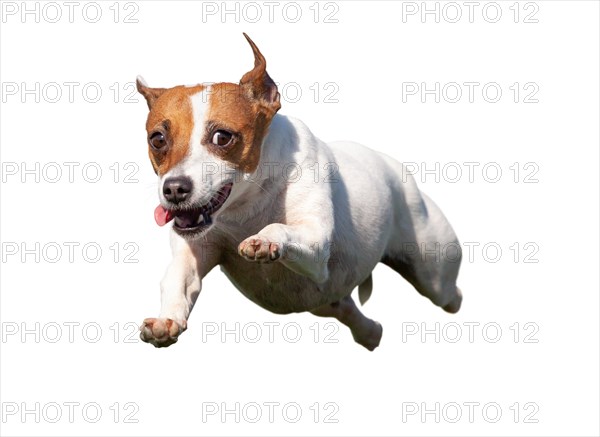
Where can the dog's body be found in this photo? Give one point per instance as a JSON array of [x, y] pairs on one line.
[[314, 218]]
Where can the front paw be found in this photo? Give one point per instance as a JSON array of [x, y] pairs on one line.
[[259, 248], [161, 332]]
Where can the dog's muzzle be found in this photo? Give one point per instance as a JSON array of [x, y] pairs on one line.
[[194, 219]]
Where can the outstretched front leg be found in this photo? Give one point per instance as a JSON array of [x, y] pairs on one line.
[[366, 332], [303, 248], [302, 243], [180, 288]]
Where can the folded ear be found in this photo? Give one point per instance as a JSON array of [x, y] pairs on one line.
[[257, 82], [150, 94]]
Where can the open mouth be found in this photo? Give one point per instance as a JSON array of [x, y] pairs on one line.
[[194, 219]]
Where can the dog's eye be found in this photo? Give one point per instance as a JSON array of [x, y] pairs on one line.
[[222, 138], [157, 140]]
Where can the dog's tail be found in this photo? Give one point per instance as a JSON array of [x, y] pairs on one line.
[[365, 289]]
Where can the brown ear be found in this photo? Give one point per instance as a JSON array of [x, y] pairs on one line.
[[150, 94], [257, 82]]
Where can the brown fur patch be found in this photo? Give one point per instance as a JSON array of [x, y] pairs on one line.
[[232, 107], [171, 114]]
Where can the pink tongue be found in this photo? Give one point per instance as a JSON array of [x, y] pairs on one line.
[[162, 216]]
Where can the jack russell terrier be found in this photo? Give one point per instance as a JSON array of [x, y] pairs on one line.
[[240, 185]]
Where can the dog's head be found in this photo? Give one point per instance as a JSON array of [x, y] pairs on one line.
[[197, 132]]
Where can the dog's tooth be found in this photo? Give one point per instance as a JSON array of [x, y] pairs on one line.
[[207, 219]]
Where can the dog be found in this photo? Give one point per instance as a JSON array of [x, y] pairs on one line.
[[294, 223]]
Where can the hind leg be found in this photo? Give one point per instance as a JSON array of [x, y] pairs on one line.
[[366, 332], [433, 278], [454, 305], [424, 249]]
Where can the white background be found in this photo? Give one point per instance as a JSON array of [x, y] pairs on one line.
[[550, 370]]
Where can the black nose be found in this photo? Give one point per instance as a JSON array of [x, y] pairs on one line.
[[177, 189]]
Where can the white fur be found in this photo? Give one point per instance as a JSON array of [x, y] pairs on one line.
[[331, 234]]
